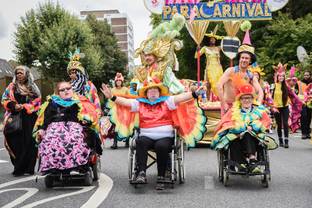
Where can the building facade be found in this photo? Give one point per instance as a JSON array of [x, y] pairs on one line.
[[122, 28]]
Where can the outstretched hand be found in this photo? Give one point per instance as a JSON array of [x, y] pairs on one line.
[[106, 91]]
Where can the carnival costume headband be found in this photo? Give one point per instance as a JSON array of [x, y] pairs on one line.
[[74, 62], [153, 83], [162, 39], [280, 69], [246, 46]]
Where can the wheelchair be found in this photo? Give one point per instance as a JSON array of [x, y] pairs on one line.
[[88, 172], [226, 166], [91, 173], [175, 165]]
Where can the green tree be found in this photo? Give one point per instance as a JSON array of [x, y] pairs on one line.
[[114, 60], [280, 39], [45, 37]]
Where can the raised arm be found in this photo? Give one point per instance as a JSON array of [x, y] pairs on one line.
[[258, 89], [187, 95], [119, 100]]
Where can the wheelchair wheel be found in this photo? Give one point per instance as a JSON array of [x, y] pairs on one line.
[[225, 177], [48, 181], [221, 165], [96, 169], [181, 170], [131, 165], [88, 179], [264, 181]]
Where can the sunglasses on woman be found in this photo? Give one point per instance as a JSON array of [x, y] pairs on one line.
[[65, 89]]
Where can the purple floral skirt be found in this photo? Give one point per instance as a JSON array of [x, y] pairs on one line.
[[63, 147]]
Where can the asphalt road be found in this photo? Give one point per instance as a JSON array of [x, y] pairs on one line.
[[291, 184]]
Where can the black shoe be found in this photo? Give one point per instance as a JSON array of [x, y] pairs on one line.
[[286, 143], [304, 137], [141, 178], [281, 143], [17, 174], [309, 136], [114, 146]]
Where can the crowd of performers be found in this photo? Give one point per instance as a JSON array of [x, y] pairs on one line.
[[71, 122]]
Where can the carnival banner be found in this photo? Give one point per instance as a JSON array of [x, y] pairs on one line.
[[219, 11]]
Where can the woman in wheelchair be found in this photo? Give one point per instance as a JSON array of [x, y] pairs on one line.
[[241, 130], [66, 124], [156, 114]]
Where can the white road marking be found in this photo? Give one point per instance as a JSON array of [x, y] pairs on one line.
[[105, 186], [3, 161], [19, 181], [29, 193], [2, 149], [83, 190]]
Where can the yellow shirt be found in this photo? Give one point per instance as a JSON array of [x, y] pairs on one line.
[[120, 91], [278, 98]]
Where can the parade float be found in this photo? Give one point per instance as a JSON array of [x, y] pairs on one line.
[[198, 15]]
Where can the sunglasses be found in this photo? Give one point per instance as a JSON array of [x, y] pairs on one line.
[[17, 73], [65, 89], [246, 98]]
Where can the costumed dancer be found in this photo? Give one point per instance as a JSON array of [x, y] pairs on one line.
[[242, 128], [246, 57], [118, 90], [158, 57], [80, 81], [306, 113], [66, 130], [157, 114], [296, 85], [283, 95], [22, 100], [213, 70]]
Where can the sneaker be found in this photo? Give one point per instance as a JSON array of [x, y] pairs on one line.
[[253, 167], [242, 167], [141, 178], [160, 186], [304, 136], [256, 169], [286, 145]]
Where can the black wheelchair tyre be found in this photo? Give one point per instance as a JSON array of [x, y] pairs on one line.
[[96, 169], [48, 181]]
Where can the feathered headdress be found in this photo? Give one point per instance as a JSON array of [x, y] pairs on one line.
[[256, 68], [280, 69], [291, 75], [161, 38], [74, 62]]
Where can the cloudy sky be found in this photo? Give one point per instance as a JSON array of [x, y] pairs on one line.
[[12, 10]]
